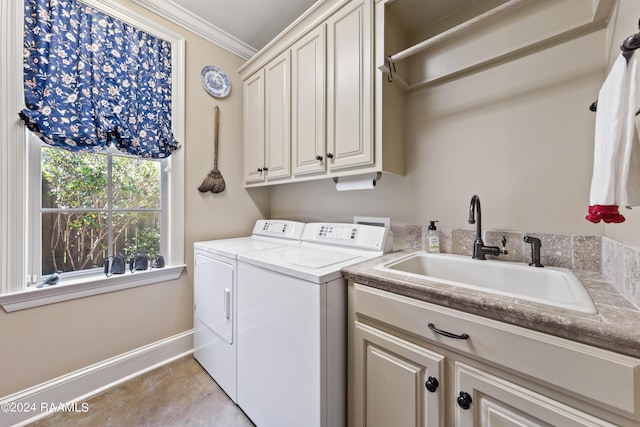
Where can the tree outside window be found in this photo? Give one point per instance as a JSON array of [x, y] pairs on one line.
[[95, 205]]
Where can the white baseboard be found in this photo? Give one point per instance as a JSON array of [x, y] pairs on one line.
[[28, 405]]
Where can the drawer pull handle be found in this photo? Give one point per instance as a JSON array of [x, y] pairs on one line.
[[432, 384], [464, 400], [447, 334]]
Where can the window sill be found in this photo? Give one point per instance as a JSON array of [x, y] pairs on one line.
[[79, 288]]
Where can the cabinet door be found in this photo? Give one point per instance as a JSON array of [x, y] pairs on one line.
[[483, 399], [349, 90], [254, 141], [308, 103], [278, 117], [396, 383]]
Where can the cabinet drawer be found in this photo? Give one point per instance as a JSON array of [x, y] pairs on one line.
[[598, 376]]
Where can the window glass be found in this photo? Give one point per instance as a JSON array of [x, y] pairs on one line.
[[136, 183], [73, 180], [73, 241], [136, 232], [95, 205]]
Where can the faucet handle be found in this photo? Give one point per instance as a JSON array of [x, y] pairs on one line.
[[504, 250]]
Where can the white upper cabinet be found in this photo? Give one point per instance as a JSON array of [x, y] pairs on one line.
[[308, 122], [320, 122], [349, 87], [254, 160], [267, 135], [278, 117]]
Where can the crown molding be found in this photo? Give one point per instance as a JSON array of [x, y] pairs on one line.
[[198, 26]]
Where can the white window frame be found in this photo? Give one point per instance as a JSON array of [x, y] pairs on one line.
[[15, 206], [35, 210]]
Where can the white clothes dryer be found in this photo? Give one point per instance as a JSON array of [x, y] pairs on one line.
[[292, 304], [215, 291]]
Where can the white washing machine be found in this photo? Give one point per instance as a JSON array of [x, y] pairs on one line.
[[215, 291], [292, 304]]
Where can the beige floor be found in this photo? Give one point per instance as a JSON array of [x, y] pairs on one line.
[[180, 393]]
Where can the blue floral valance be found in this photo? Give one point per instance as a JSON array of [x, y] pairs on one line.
[[91, 80]]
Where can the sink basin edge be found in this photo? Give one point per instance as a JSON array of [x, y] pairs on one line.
[[552, 286]]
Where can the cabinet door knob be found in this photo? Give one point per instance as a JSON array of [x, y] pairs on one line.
[[319, 158], [432, 384], [329, 155], [464, 400], [260, 170], [265, 169]]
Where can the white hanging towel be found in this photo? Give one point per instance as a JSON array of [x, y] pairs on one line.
[[616, 160]]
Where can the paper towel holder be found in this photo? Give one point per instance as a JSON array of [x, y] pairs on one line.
[[376, 179]]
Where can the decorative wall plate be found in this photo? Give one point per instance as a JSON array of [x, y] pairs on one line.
[[215, 81]]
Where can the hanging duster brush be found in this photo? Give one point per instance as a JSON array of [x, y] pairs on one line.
[[214, 181]]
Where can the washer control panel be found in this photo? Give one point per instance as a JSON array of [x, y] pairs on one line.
[[357, 236], [337, 232]]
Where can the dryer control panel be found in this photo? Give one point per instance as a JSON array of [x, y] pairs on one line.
[[357, 236], [278, 228]]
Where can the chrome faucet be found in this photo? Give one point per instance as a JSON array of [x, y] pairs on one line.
[[479, 249]]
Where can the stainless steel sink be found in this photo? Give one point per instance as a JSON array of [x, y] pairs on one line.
[[553, 286]]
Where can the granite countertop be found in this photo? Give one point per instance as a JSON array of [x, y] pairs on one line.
[[616, 325]]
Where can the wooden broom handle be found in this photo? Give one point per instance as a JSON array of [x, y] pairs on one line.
[[216, 119]]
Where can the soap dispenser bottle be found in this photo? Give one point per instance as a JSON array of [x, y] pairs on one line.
[[433, 241]]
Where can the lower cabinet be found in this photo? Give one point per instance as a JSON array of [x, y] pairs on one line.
[[398, 383], [405, 371], [483, 399]]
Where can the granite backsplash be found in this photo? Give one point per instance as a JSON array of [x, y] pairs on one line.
[[618, 263], [621, 267]]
